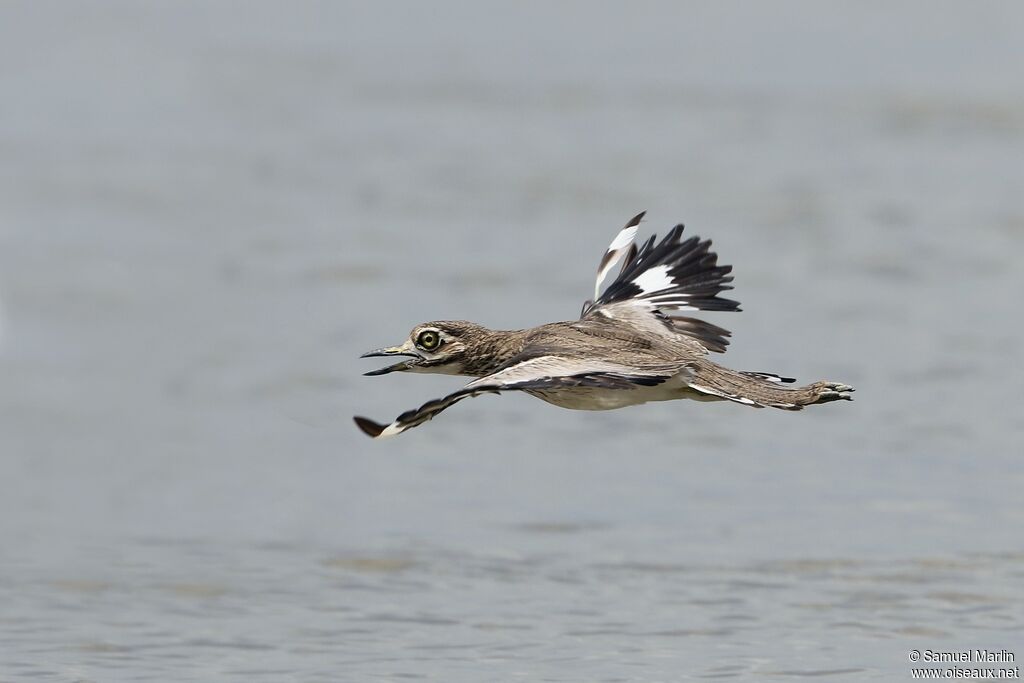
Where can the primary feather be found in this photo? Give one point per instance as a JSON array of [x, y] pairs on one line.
[[664, 277]]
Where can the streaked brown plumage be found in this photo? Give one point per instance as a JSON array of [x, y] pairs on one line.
[[625, 349]]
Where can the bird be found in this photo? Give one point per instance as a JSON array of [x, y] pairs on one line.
[[629, 346]]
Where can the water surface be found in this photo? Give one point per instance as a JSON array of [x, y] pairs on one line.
[[207, 214]]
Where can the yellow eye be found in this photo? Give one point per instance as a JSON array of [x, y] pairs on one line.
[[428, 339]]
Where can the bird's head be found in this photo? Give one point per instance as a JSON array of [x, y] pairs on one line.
[[441, 347]]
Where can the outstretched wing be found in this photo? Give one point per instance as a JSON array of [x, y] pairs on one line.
[[544, 372], [414, 418], [660, 278]]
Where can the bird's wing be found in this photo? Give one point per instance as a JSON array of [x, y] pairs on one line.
[[540, 372], [618, 249], [657, 279]]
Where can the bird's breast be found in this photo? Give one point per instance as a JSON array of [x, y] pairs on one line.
[[592, 398]]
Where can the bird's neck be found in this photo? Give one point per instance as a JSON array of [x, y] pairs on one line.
[[490, 350]]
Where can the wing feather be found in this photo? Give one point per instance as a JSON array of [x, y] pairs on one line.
[[657, 278], [621, 246], [534, 373]]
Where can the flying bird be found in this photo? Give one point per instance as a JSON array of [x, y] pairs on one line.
[[629, 346]]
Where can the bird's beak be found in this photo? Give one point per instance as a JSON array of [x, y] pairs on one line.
[[405, 349]]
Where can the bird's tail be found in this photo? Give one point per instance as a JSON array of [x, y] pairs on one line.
[[763, 389]]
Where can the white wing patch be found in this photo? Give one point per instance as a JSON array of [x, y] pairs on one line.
[[660, 278], [624, 238], [654, 280], [616, 250], [559, 366], [392, 429], [721, 394]]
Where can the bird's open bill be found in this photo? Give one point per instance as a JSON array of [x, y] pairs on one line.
[[403, 350]]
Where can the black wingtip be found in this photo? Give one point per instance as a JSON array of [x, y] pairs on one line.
[[369, 427], [635, 220]]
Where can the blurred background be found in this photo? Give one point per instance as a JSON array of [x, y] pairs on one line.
[[208, 210]]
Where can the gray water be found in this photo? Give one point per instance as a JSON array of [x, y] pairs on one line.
[[209, 210]]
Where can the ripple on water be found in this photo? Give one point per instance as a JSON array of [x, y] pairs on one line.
[[559, 527], [813, 673], [370, 564]]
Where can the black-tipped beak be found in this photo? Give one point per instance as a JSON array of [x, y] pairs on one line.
[[392, 351]]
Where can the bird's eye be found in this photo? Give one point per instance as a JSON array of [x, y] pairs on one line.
[[428, 339]]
